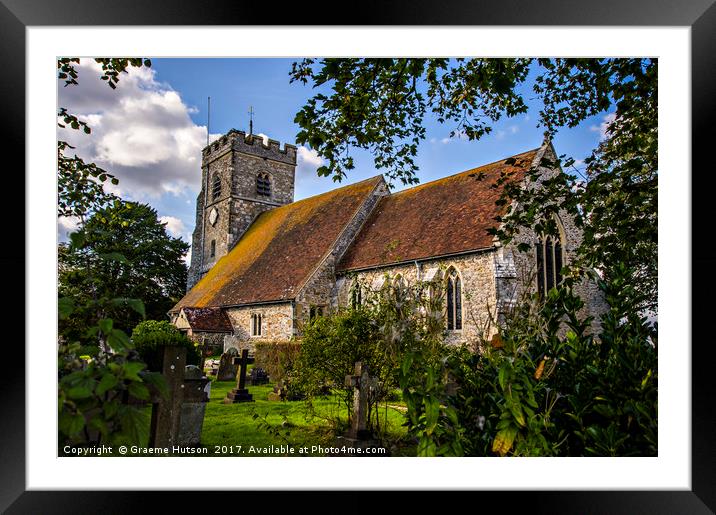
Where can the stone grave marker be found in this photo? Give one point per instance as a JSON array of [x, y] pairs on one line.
[[359, 436], [193, 407], [167, 426], [240, 393], [227, 365], [362, 384], [258, 376]]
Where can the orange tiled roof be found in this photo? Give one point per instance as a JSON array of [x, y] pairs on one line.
[[446, 216], [280, 250]]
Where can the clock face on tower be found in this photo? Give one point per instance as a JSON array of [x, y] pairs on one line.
[[213, 216]]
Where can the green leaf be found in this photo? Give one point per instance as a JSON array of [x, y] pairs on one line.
[[118, 340], [79, 392], [77, 239], [65, 307], [139, 391], [132, 369], [136, 304], [107, 382], [70, 424], [502, 376], [134, 425]]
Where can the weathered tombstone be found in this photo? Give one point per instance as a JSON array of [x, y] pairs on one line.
[[258, 376], [359, 436], [361, 383], [166, 413], [240, 393], [227, 365], [193, 407], [171, 425]]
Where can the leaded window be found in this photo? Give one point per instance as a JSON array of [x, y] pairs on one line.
[[454, 301], [550, 259], [256, 324]]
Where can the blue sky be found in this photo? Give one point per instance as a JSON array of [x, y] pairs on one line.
[[150, 131]]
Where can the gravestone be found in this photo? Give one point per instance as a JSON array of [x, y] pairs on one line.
[[258, 376], [167, 426], [362, 384], [227, 365], [359, 436], [240, 393], [194, 406]]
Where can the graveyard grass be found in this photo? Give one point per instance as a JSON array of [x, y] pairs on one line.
[[263, 423]]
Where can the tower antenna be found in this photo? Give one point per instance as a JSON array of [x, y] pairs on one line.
[[251, 120], [208, 119]]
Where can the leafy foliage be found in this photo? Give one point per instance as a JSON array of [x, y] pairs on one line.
[[148, 336], [379, 105], [278, 359], [120, 254], [546, 387], [94, 392], [331, 346]]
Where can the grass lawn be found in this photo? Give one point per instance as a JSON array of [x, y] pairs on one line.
[[273, 428]]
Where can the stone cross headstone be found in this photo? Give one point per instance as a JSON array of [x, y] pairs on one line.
[[227, 365], [240, 393], [362, 383]]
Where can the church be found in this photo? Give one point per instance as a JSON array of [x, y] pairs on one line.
[[262, 265]]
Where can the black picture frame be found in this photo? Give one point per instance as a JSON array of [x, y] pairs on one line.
[[700, 15]]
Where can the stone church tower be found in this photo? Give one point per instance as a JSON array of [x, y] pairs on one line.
[[240, 178]]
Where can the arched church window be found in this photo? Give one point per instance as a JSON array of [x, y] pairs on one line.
[[356, 295], [454, 301], [263, 184], [550, 259], [216, 187]]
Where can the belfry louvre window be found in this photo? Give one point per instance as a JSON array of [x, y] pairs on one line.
[[263, 184], [549, 264], [216, 187], [212, 251], [256, 324], [454, 301]]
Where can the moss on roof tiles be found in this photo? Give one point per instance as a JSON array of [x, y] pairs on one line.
[[280, 250], [442, 217]]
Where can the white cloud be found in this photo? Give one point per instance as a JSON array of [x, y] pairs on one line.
[[602, 127], [459, 135], [263, 137], [66, 225], [141, 132], [308, 160], [175, 226]]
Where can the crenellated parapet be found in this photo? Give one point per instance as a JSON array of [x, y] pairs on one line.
[[254, 145]]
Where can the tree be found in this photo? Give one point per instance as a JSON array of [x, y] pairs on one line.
[[380, 105], [122, 252], [92, 393]]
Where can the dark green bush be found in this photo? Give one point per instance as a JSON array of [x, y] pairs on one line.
[[278, 359], [147, 336]]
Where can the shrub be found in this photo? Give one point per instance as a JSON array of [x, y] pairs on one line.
[[278, 359], [147, 336], [330, 347]]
